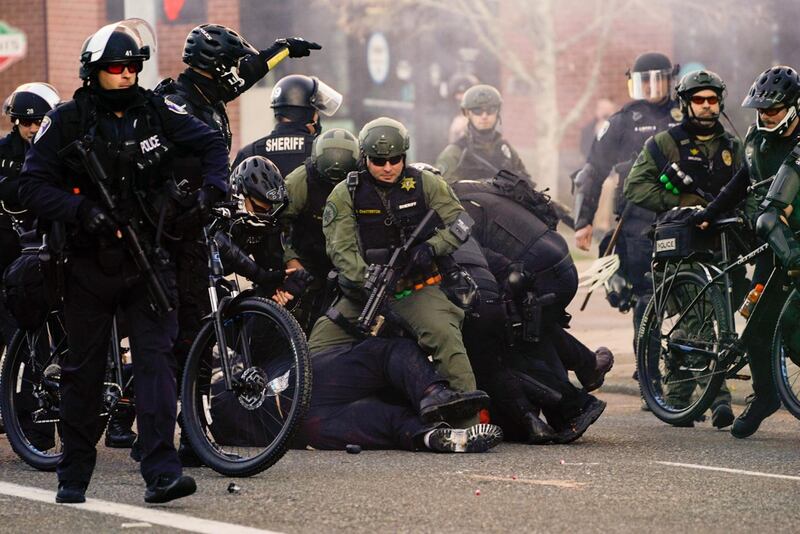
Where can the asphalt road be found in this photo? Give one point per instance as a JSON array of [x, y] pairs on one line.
[[610, 481]]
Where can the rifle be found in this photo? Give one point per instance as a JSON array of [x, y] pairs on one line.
[[99, 177], [382, 279]]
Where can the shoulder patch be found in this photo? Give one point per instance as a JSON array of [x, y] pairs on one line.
[[676, 114], [329, 214], [603, 129], [506, 151], [46, 122], [174, 106]]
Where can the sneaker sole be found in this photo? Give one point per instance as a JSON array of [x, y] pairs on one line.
[[483, 439]]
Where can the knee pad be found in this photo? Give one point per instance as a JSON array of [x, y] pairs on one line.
[[767, 222]]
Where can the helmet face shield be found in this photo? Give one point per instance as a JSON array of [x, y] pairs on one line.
[[649, 85], [21, 105], [325, 98], [139, 29]]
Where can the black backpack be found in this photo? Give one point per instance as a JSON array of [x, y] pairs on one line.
[[519, 189], [32, 283]]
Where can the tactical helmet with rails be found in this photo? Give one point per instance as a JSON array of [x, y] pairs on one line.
[[258, 178], [775, 87], [383, 138], [217, 50], [31, 101], [334, 154], [481, 96], [696, 81], [128, 41]]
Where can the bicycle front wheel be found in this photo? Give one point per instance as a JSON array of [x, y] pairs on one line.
[[678, 348], [786, 355], [29, 396], [243, 430]]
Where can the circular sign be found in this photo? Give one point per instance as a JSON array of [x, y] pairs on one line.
[[378, 57]]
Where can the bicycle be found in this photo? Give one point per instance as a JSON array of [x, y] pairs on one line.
[[242, 405], [29, 391], [687, 340]]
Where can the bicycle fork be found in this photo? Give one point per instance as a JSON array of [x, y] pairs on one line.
[[217, 308]]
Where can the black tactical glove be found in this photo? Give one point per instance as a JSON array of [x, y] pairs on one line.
[[94, 220], [298, 47], [421, 257], [706, 214], [207, 197], [297, 282], [268, 277]]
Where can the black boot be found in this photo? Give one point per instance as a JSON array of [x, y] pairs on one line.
[[186, 453], [169, 487], [576, 426], [756, 411], [445, 404], [539, 432], [71, 492], [119, 434], [721, 415]]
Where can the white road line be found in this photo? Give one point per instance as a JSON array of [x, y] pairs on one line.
[[136, 513], [734, 471]]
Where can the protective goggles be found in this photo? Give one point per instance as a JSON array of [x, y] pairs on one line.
[[380, 162], [771, 112], [117, 68], [27, 123], [489, 110], [698, 100]]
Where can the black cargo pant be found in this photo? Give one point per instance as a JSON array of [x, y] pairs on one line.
[[91, 298], [368, 394], [191, 261]]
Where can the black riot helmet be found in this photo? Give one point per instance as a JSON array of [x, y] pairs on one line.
[[334, 154], [31, 101], [647, 76], [700, 80], [126, 41], [218, 50], [258, 178], [775, 87], [296, 97]]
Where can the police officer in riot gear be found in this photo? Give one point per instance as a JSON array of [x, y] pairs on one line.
[[770, 151], [260, 186], [131, 132], [334, 154], [524, 256], [26, 107], [221, 65], [374, 211], [297, 102], [483, 151], [618, 143], [710, 156]]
